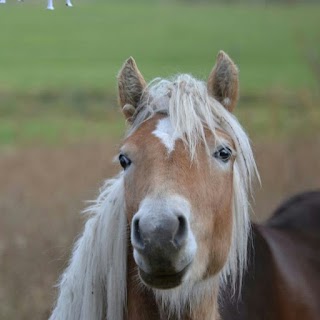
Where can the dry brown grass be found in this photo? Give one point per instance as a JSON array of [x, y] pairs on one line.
[[41, 195], [42, 192]]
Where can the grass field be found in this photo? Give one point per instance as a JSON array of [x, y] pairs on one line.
[[60, 126], [64, 63], [84, 47]]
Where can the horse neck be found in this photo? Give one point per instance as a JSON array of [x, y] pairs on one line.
[[142, 305]]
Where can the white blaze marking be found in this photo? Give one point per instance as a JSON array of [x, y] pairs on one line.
[[165, 132]]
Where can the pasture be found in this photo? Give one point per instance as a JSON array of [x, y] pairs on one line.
[[60, 126]]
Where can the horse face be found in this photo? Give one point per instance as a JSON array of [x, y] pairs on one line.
[[179, 210]]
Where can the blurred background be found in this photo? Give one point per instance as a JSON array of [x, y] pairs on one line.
[[60, 125]]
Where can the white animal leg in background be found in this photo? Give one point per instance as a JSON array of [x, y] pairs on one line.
[[68, 3], [50, 5], [2, 1]]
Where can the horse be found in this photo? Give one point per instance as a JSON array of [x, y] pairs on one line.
[[168, 236], [282, 279]]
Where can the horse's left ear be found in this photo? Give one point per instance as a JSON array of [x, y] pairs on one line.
[[131, 85], [223, 82]]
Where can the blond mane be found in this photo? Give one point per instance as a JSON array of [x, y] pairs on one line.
[[94, 284]]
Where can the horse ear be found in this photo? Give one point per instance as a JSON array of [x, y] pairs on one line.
[[131, 85], [223, 82]]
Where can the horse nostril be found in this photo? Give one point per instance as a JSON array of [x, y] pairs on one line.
[[136, 235], [171, 232], [182, 232]]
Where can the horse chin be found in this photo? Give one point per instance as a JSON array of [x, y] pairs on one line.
[[163, 280]]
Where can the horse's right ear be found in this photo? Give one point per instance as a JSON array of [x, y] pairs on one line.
[[131, 85]]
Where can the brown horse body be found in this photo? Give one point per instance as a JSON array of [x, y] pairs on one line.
[[283, 277]]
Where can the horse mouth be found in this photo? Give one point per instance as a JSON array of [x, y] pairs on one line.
[[163, 280]]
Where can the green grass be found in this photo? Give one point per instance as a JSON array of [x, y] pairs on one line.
[[57, 130], [84, 47], [58, 69]]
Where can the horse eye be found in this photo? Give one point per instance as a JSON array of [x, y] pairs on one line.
[[223, 154], [124, 161]]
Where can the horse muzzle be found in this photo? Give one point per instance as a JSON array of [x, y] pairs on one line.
[[164, 246]]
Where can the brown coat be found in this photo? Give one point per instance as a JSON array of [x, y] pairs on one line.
[[283, 277]]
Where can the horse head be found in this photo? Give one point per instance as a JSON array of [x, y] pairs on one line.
[[187, 165]]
